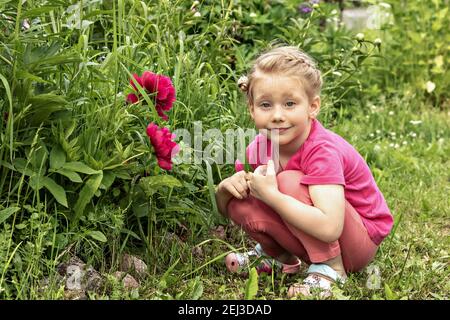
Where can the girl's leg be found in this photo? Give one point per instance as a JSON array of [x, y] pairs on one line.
[[354, 245], [264, 225]]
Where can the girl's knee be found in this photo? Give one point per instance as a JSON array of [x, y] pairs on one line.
[[248, 214], [239, 211], [289, 183]]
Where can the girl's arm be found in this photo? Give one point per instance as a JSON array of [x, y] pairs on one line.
[[324, 220], [234, 186], [222, 199]]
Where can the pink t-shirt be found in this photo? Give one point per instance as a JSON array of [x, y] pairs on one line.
[[326, 158]]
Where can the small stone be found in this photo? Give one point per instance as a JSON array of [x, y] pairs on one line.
[[75, 277], [128, 281], [75, 295], [131, 263], [219, 232], [197, 252], [94, 280]]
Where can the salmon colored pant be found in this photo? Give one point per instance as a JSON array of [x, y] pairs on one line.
[[277, 237]]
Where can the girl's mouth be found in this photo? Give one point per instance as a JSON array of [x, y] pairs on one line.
[[280, 130]]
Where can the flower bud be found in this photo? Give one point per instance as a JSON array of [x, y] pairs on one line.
[[360, 36], [377, 42]]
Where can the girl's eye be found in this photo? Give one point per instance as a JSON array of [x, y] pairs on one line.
[[290, 103], [265, 105]]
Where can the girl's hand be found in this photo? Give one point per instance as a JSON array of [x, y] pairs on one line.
[[263, 182], [236, 185]]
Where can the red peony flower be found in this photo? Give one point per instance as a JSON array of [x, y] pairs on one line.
[[165, 148], [162, 85]]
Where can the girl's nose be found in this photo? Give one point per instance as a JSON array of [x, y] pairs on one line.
[[278, 114]]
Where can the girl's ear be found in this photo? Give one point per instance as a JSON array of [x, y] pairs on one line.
[[314, 108]]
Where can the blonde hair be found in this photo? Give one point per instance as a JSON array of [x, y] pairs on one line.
[[286, 60]]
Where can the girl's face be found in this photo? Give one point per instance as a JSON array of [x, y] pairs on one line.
[[281, 106]]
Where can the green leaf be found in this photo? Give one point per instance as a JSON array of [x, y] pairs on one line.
[[388, 292], [25, 75], [131, 233], [97, 235], [122, 174], [197, 291], [251, 286], [152, 184], [6, 213], [31, 13], [38, 157], [23, 166], [7, 165], [36, 182], [108, 179], [87, 192], [79, 167], [56, 190], [43, 105], [72, 175], [57, 157]]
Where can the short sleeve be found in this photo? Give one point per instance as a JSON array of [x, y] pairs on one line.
[[323, 164], [238, 165]]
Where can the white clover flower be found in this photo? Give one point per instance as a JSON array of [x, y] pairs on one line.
[[333, 12], [378, 131], [391, 113], [413, 134], [396, 145], [430, 86], [197, 14], [377, 41], [415, 122], [371, 135], [376, 148], [405, 143], [196, 3], [253, 15], [360, 36], [391, 145], [392, 133]]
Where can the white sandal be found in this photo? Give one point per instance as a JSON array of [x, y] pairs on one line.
[[320, 278], [237, 262]]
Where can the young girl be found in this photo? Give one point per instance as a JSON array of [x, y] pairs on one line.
[[317, 201]]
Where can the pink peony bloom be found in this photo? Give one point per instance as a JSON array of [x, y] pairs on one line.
[[162, 85], [165, 148], [132, 98]]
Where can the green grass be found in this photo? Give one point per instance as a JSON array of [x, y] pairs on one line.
[[413, 260]]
